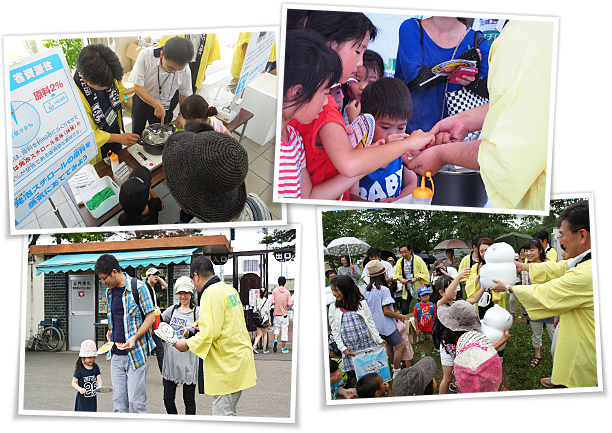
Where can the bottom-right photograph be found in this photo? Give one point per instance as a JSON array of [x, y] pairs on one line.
[[419, 303]]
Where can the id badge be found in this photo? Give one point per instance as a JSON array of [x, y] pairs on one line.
[[166, 104], [111, 116]]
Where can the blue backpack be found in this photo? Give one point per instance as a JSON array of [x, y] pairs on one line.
[[418, 308]]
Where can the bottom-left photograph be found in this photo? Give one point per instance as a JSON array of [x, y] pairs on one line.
[[192, 323]]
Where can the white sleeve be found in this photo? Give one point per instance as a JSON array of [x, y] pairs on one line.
[[137, 76]]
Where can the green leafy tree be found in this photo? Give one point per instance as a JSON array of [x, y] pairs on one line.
[[70, 47], [281, 237]]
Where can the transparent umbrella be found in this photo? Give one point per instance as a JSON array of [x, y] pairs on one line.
[[347, 245]]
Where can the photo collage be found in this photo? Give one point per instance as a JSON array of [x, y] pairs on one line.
[[278, 211]]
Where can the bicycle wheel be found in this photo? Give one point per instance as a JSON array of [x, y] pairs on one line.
[[52, 338]]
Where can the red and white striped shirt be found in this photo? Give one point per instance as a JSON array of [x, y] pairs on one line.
[[291, 163]]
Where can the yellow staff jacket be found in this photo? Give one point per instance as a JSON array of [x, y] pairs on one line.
[[419, 271], [569, 293], [514, 151], [223, 342]]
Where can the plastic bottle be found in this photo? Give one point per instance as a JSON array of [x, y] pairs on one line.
[[422, 194], [120, 170]]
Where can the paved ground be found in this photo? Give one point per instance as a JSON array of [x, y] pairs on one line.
[[47, 379]]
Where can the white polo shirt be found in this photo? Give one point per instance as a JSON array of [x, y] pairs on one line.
[[156, 81]]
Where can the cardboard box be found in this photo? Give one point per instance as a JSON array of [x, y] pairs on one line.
[[129, 86], [133, 49], [411, 329]]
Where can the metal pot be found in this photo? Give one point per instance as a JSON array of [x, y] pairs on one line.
[[457, 187], [155, 136]]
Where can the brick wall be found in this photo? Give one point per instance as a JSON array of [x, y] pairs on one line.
[[55, 298]]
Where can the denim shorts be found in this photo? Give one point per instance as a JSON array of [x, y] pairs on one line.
[[394, 339]]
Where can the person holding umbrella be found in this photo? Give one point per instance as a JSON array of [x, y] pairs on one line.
[[349, 268]]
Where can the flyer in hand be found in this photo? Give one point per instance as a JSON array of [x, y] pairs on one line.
[[446, 68], [167, 333]]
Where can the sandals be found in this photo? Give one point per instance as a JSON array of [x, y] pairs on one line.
[[536, 361]]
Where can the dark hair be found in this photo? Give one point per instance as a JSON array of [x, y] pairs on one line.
[[373, 252], [79, 364], [368, 385], [387, 97], [378, 281], [309, 63], [197, 127], [329, 272], [263, 291], [351, 296], [535, 243], [441, 284], [476, 239], [178, 50], [195, 107], [99, 65], [282, 281], [347, 257], [333, 366], [429, 389], [334, 25], [577, 216], [541, 235], [451, 250], [483, 240], [202, 266], [373, 62], [106, 263], [404, 244], [522, 248]]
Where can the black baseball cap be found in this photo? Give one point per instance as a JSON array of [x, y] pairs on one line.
[[134, 193]]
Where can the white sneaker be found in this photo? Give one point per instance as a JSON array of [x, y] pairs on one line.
[[266, 350], [255, 349]]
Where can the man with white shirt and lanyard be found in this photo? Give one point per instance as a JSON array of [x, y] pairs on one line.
[[157, 74], [565, 288]]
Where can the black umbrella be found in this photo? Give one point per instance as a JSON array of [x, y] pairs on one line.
[[427, 258]]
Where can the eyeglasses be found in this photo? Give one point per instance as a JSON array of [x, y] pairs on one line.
[[103, 280], [574, 231]]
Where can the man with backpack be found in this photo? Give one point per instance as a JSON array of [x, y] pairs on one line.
[[130, 363]]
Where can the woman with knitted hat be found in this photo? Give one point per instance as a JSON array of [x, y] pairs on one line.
[[206, 174]]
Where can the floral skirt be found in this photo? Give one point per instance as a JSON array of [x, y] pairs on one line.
[[355, 336]]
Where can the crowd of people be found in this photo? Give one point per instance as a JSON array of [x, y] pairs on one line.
[[335, 90], [214, 349], [207, 185], [449, 311]]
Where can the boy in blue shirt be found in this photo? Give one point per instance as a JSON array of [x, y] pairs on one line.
[[388, 101]]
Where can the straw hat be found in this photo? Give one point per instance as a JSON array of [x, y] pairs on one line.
[[375, 267]]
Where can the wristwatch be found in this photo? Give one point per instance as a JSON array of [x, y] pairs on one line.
[[508, 288]]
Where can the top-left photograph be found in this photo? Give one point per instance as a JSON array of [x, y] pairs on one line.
[[141, 129]]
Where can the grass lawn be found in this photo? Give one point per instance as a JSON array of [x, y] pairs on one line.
[[517, 357]]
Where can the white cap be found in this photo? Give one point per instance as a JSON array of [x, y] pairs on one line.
[[152, 271]]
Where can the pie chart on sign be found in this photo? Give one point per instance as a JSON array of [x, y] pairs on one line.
[[25, 123]]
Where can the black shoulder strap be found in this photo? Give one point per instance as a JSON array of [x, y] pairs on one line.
[[421, 31], [136, 296], [257, 215]]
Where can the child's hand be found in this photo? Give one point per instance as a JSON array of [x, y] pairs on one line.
[[349, 393], [348, 352], [387, 200], [464, 273], [442, 138], [82, 391], [402, 318], [395, 137], [419, 139], [353, 110]]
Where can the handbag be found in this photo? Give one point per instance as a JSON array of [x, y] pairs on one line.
[[372, 360]]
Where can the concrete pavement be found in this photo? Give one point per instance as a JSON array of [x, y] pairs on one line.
[[48, 376]]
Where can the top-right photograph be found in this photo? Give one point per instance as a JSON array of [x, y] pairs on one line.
[[414, 110]]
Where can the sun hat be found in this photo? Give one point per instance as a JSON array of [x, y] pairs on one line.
[[88, 349], [375, 267], [477, 364], [184, 284], [414, 380], [206, 174], [461, 316]]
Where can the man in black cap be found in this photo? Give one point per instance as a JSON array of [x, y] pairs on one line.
[[141, 205]]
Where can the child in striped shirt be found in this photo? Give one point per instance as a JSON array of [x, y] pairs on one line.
[[311, 67]]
